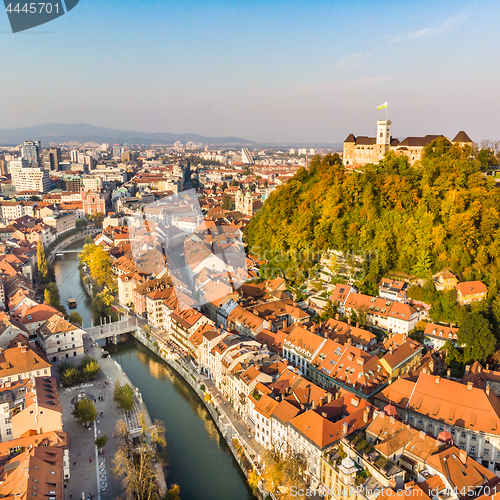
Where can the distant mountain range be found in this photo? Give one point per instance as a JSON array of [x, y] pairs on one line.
[[81, 132]]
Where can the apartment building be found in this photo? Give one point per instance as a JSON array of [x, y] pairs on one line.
[[60, 339]]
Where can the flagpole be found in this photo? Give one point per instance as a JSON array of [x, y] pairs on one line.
[[386, 114]]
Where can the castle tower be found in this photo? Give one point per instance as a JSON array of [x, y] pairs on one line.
[[384, 132]]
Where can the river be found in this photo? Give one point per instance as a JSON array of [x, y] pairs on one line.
[[198, 459]]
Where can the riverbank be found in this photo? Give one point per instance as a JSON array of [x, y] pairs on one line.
[[244, 448], [70, 240], [198, 457]]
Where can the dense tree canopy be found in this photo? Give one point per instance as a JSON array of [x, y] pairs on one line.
[[442, 212], [476, 336]]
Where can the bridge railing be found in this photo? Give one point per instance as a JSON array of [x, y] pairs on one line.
[[112, 328]]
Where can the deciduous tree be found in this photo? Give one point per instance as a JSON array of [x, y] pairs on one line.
[[85, 412]]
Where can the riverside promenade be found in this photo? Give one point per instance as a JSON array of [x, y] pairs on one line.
[[90, 471], [230, 424]]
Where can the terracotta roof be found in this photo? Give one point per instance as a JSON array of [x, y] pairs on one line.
[[303, 339], [447, 401], [440, 331], [402, 353], [323, 432], [54, 325], [20, 359], [471, 288], [461, 471]]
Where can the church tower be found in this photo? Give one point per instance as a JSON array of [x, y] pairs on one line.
[[238, 201], [248, 203]]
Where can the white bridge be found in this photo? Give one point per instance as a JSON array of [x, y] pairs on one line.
[[67, 251], [112, 329]]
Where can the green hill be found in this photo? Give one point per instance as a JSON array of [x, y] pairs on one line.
[[442, 212]]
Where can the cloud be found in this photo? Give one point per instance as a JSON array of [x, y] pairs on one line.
[[349, 60], [447, 25]]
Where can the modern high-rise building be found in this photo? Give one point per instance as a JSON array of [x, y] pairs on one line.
[[117, 150], [31, 179], [30, 150], [54, 158], [73, 156]]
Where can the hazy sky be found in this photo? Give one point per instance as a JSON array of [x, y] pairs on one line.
[[263, 70]]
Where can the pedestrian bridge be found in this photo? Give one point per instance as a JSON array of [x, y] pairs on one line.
[[112, 329]]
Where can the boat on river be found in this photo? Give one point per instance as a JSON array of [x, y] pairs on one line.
[[72, 303]]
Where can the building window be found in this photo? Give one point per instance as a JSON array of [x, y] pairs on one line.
[[463, 434], [472, 449], [486, 453], [420, 420], [9, 432]]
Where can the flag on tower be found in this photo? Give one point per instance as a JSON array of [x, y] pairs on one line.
[[382, 106]]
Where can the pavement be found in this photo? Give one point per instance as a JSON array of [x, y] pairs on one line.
[[90, 470]]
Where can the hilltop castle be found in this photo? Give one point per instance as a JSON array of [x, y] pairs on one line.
[[362, 150]]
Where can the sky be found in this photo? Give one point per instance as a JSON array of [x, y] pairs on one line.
[[267, 71]]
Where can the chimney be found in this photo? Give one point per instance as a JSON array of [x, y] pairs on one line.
[[348, 321], [438, 379], [422, 434], [313, 405], [357, 325], [345, 428], [321, 401], [488, 387], [488, 366], [366, 415], [392, 420], [324, 414], [469, 386], [479, 369], [463, 456], [301, 407], [23, 348], [425, 369], [392, 483], [448, 373], [467, 368], [431, 365], [337, 316]]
